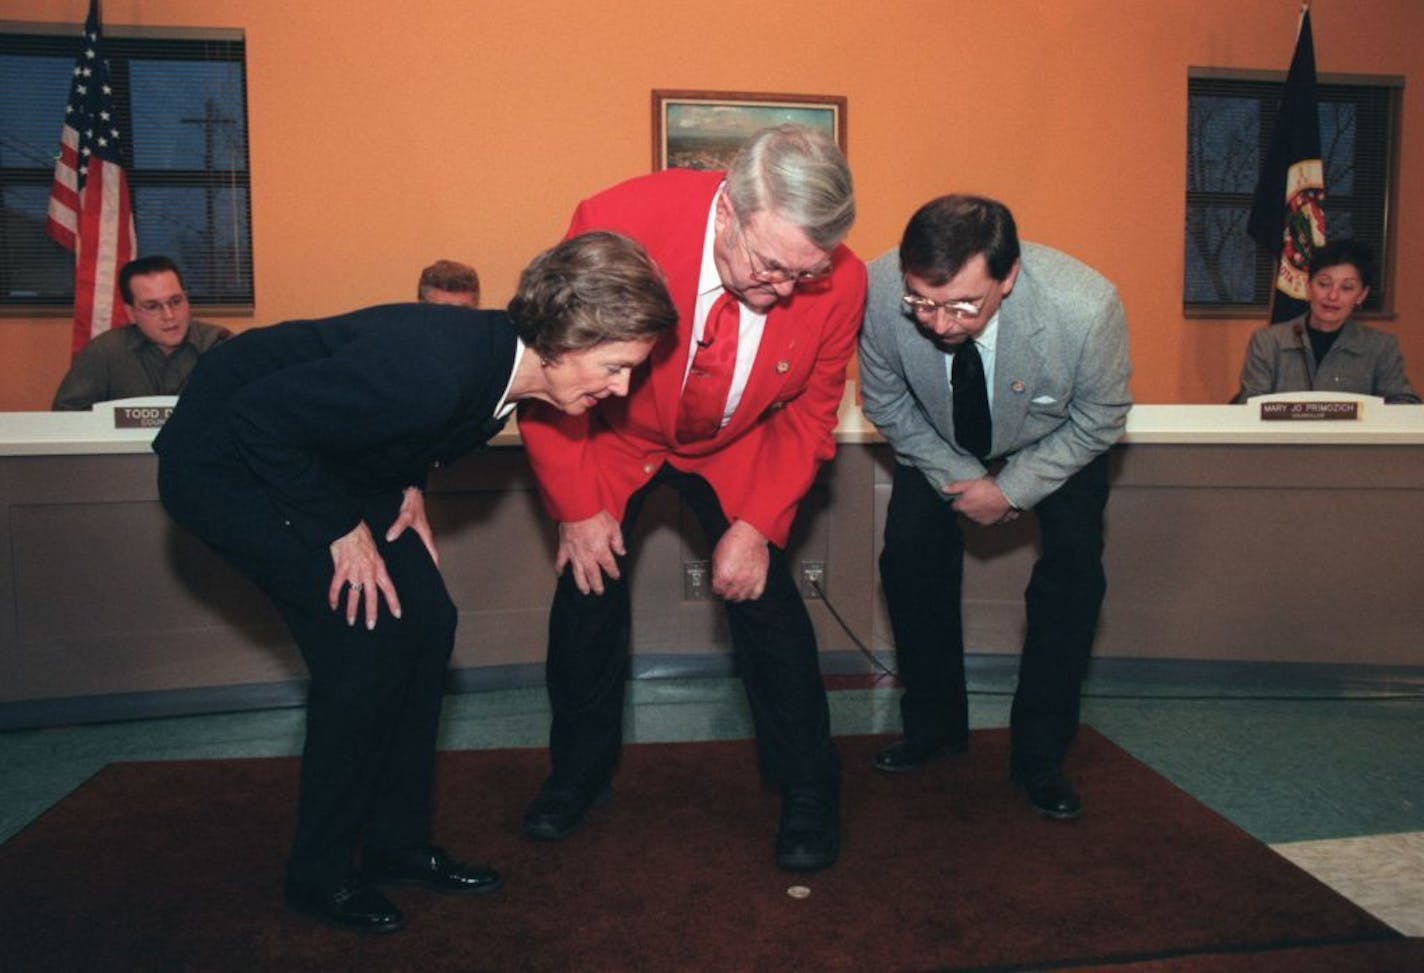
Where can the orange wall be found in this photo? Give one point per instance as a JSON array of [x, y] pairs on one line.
[[383, 136]]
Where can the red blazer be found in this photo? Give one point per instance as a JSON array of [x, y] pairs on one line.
[[763, 461]]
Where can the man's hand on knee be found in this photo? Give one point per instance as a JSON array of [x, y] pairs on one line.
[[739, 563], [591, 548]]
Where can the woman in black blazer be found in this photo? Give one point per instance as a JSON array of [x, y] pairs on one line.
[[298, 452]]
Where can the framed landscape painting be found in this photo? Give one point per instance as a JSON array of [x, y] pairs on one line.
[[704, 129]]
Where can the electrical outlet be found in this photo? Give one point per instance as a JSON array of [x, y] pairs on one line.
[[813, 574], [696, 580]]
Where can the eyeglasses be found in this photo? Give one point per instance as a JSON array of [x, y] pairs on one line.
[[961, 311], [174, 304], [770, 272]]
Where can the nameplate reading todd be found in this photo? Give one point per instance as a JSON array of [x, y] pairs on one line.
[[1310, 410], [141, 416]]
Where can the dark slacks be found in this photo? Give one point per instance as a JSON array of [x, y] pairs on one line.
[[373, 706], [922, 572], [775, 652]]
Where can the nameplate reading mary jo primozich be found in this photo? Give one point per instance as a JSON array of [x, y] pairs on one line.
[[1309, 411], [141, 416]]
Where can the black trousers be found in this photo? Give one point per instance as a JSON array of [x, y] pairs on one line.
[[373, 706], [773, 642], [922, 572]]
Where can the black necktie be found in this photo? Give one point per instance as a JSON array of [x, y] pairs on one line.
[[972, 425]]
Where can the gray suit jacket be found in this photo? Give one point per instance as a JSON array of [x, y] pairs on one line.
[[1362, 360], [1061, 367]]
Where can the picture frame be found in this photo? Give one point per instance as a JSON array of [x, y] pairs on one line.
[[703, 129]]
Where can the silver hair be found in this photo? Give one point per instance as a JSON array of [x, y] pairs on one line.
[[797, 173]]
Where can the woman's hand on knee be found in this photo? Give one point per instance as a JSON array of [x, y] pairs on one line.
[[359, 568], [412, 515]]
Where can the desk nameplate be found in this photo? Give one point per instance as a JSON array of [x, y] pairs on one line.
[[141, 416], [1309, 411]]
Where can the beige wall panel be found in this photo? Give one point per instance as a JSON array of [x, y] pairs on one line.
[[1270, 553], [1262, 553], [111, 598]]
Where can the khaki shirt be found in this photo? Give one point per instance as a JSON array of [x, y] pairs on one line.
[[123, 364]]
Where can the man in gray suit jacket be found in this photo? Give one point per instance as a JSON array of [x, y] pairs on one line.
[[999, 375]]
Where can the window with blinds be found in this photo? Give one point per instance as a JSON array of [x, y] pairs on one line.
[[182, 98], [1230, 119]]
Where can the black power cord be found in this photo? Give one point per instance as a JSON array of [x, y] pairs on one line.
[[864, 649]]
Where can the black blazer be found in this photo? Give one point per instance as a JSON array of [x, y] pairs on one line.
[[327, 413]]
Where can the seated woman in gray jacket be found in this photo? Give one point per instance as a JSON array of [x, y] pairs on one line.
[[1325, 349]]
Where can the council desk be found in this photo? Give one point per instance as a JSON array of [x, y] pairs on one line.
[[1230, 538]]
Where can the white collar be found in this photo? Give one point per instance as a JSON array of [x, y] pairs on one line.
[[504, 407]]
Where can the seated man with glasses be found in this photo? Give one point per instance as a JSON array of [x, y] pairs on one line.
[[736, 413], [154, 356], [998, 373]]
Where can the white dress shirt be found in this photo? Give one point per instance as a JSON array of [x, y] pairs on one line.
[[751, 324]]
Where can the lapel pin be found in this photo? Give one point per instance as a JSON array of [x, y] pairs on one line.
[[782, 367], [1018, 387]]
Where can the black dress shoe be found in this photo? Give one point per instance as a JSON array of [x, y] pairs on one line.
[[353, 906], [1049, 791], [558, 811], [429, 868], [906, 754], [808, 838]]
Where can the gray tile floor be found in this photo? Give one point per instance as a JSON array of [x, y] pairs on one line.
[[1287, 768]]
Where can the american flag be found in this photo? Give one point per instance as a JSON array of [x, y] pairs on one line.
[[89, 207]]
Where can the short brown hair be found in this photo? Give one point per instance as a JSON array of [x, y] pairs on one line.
[[449, 275], [948, 232], [1356, 253], [590, 289], [142, 267]]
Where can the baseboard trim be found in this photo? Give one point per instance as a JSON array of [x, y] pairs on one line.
[[985, 673]]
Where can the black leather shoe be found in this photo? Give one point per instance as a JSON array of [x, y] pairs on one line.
[[429, 868], [558, 811], [906, 754], [353, 906], [1049, 791], [808, 838]]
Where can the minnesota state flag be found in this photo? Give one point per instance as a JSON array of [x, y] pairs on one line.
[[1287, 215]]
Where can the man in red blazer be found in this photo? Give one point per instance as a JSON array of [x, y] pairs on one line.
[[736, 414]]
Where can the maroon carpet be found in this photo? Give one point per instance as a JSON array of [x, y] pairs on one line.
[[178, 866]]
